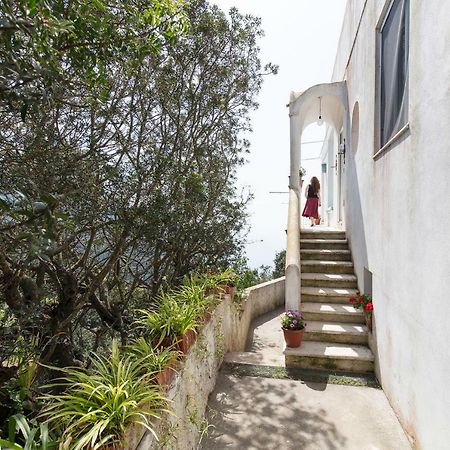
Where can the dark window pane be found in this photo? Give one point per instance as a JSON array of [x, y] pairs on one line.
[[394, 70]]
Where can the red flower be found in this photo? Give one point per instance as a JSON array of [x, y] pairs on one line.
[[368, 307], [358, 292], [352, 299]]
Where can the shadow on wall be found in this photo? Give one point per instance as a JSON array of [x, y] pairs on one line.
[[355, 228], [260, 417]]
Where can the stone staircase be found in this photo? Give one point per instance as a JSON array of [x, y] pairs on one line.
[[336, 337]]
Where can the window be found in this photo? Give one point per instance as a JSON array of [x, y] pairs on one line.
[[393, 74]]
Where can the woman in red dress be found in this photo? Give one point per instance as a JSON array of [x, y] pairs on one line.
[[312, 193]]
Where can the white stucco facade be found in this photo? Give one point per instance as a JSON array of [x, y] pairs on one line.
[[396, 211]]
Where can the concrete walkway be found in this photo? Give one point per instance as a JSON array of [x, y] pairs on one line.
[[258, 405]]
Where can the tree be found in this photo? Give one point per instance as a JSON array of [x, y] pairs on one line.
[[126, 183], [279, 264], [49, 48]]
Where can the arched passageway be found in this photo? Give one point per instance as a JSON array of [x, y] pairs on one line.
[[327, 102]]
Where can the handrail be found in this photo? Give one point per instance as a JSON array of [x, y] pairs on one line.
[[293, 274]]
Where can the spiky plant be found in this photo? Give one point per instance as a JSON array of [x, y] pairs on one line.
[[151, 360], [97, 406], [170, 319], [32, 436]]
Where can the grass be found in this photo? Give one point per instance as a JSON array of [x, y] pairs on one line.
[[319, 376]]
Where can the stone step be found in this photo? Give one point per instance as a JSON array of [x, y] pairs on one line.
[[332, 312], [327, 266], [330, 244], [330, 356], [325, 255], [334, 280], [326, 295], [321, 234], [340, 332]]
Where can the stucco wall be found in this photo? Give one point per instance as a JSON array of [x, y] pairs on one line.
[[196, 379], [398, 216]]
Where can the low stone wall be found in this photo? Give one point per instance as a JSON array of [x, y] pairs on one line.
[[196, 379]]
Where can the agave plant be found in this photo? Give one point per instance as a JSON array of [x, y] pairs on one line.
[[97, 406], [32, 436]]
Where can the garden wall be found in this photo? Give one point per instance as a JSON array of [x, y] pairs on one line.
[[226, 331]]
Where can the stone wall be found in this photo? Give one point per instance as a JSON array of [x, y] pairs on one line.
[[226, 331]]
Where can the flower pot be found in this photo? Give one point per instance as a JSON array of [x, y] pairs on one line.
[[186, 341], [231, 290], [207, 317], [166, 376], [167, 342], [293, 338]]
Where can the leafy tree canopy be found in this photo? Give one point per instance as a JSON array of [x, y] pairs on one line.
[[50, 46], [122, 182]]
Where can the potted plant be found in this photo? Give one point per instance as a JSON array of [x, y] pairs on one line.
[[364, 302], [171, 322], [226, 282], [192, 292], [293, 326], [97, 406], [158, 363]]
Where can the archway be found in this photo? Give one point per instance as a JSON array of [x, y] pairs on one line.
[[327, 102]]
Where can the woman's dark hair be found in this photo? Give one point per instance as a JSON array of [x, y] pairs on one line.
[[315, 184]]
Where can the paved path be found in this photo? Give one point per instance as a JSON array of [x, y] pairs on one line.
[[261, 406]]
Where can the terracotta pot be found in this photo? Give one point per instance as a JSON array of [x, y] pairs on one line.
[[186, 341], [206, 317], [368, 317], [167, 342], [230, 290], [293, 338], [166, 376]]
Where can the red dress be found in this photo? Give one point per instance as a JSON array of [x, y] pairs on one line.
[[312, 204]]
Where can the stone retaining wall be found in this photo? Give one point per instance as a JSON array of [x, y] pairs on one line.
[[196, 379]]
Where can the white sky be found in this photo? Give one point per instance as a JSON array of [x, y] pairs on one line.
[[301, 36]]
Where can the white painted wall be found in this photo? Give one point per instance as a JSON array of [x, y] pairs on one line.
[[398, 216]]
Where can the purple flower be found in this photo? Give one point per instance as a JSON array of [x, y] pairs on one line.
[[294, 321], [292, 325]]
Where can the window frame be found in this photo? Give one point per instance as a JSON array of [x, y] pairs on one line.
[[405, 129]]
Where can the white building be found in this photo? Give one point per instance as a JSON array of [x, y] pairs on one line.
[[388, 186]]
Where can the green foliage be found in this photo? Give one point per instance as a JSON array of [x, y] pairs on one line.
[[151, 360], [31, 437], [47, 47], [97, 406], [192, 293], [18, 393], [170, 319], [279, 264], [212, 279], [122, 179], [247, 277]]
